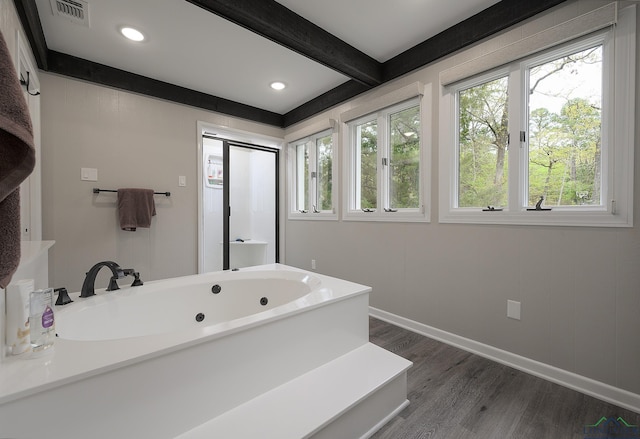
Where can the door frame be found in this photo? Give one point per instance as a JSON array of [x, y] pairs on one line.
[[238, 136]]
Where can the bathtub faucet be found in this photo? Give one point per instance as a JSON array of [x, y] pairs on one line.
[[136, 276], [117, 273]]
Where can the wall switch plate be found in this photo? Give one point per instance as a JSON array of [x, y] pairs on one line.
[[313, 264], [513, 309], [182, 180], [88, 174]]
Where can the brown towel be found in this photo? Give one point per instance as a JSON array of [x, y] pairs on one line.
[[17, 159], [9, 237], [135, 208]]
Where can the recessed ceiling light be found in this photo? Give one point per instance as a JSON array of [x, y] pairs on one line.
[[132, 34], [278, 85]]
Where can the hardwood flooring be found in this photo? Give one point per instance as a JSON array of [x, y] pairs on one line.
[[458, 395]]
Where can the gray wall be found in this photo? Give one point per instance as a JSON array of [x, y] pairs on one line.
[[579, 287], [133, 141]]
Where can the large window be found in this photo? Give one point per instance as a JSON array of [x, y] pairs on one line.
[[311, 167], [565, 128], [385, 165], [544, 140]]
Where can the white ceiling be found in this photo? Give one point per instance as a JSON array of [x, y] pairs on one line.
[[192, 48]]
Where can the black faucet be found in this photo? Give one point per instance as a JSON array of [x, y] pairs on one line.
[[136, 276], [118, 273]]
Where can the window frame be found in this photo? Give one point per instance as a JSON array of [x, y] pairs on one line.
[[351, 171], [294, 181], [617, 132]]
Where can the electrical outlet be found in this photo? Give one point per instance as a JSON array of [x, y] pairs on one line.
[[513, 309], [313, 264]]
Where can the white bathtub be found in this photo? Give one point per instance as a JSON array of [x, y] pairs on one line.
[[207, 303], [138, 363]]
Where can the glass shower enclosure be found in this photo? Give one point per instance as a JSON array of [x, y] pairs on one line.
[[240, 204]]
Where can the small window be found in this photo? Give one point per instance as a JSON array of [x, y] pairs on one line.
[[385, 165], [311, 166]]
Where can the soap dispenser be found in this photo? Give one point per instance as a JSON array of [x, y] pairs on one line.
[[17, 323], [42, 321]]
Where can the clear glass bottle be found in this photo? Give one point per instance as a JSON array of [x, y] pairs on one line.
[[41, 321]]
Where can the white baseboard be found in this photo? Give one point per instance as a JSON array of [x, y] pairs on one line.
[[588, 386]]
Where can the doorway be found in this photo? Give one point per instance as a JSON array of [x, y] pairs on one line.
[[239, 204]]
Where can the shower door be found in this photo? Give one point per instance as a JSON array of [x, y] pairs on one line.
[[239, 205]]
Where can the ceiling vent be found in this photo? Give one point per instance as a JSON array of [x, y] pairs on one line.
[[74, 10]]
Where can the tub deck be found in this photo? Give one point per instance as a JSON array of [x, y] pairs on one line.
[[169, 385]]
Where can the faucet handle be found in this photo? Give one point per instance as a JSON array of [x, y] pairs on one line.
[[131, 272], [113, 285], [63, 296], [136, 281]]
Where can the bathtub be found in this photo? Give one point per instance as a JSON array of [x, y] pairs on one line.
[[209, 303], [199, 356]]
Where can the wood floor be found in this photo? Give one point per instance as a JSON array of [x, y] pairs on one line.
[[455, 395]]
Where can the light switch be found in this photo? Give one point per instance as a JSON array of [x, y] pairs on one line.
[[182, 180], [88, 174]]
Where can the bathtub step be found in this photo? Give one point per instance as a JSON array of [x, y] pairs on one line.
[[349, 397]]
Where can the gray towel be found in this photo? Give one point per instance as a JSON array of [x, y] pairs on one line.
[[17, 159], [135, 208], [9, 237]]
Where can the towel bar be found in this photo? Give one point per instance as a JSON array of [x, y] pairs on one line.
[[97, 191]]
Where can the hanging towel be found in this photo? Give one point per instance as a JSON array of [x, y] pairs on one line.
[[135, 208], [17, 160], [9, 237]]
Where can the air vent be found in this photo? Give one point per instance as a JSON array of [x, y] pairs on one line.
[[74, 10]]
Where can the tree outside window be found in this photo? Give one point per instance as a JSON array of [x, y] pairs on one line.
[[386, 160], [564, 136], [311, 167]]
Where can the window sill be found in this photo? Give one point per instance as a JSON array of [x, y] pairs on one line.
[[390, 217], [538, 218], [310, 216]]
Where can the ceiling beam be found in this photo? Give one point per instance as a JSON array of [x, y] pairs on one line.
[[28, 13], [341, 93], [79, 68], [486, 23], [492, 20], [271, 20], [482, 25]]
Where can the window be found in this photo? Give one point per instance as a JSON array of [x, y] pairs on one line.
[[385, 165], [544, 140], [483, 135], [311, 169]]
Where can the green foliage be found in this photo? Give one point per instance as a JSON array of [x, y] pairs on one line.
[[324, 148], [405, 159], [368, 165], [564, 154], [483, 141], [564, 145]]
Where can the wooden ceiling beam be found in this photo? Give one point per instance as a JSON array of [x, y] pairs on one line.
[[275, 22], [28, 13], [272, 20]]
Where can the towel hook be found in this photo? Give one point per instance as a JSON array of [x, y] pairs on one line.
[[26, 84]]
